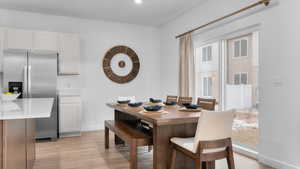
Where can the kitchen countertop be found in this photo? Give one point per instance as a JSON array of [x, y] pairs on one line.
[[29, 108]]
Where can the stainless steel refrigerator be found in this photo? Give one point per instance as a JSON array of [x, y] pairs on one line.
[[35, 76]]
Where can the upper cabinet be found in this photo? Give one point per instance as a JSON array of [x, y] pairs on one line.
[[45, 42], [17, 39], [66, 45], [69, 54]]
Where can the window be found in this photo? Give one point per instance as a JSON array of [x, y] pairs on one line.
[[241, 48], [207, 54], [240, 78], [207, 86]]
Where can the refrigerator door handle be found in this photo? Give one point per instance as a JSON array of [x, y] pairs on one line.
[[25, 89], [29, 81]]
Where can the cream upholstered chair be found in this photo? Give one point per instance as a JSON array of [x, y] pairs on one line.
[[211, 142]]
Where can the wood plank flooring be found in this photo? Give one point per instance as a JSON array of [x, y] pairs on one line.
[[87, 152]]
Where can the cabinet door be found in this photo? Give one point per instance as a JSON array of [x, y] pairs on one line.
[[14, 148], [17, 39], [45, 42], [70, 117], [69, 54]]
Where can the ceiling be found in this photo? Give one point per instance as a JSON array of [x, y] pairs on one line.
[[150, 12]]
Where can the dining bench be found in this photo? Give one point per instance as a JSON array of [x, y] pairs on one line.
[[130, 135]]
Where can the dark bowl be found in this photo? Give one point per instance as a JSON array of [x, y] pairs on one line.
[[170, 103], [192, 106], [155, 100], [138, 104], [152, 108], [124, 102], [186, 104]]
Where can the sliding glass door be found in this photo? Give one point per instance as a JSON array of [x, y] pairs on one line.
[[241, 87], [227, 70]]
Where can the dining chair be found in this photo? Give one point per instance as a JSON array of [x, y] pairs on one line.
[[207, 104], [212, 140], [182, 100], [172, 99]]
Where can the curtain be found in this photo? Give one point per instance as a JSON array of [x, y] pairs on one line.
[[187, 72]]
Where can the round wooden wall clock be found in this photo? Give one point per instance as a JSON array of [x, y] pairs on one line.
[[121, 64]]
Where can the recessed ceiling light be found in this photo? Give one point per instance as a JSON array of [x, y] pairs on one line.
[[138, 1]]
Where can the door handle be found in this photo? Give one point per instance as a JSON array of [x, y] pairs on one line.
[[29, 81], [25, 89]]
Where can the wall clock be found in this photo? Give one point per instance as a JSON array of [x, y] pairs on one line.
[[121, 64]]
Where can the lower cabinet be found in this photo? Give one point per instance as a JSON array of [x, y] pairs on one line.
[[17, 144], [69, 116]]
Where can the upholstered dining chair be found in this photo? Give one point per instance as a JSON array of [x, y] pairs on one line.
[[211, 142], [172, 98], [207, 104], [182, 100]]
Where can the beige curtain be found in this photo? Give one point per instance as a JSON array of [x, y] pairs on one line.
[[187, 71]]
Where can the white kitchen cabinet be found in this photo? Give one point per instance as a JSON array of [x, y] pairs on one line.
[[18, 39], [45, 42], [69, 116], [69, 54]]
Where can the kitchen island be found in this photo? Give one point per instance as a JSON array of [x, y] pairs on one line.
[[17, 130]]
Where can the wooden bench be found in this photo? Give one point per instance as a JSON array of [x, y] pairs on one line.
[[128, 134]]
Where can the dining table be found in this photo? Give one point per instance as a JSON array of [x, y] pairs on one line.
[[170, 121]]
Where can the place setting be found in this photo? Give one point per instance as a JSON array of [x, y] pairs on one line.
[[189, 107]]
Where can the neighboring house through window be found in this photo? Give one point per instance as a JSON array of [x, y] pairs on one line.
[[207, 54], [240, 78], [207, 86], [240, 47]]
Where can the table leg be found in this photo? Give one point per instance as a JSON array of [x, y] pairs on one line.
[[133, 155], [106, 138], [209, 165], [120, 116]]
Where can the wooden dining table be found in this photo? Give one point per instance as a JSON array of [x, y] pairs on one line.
[[167, 123]]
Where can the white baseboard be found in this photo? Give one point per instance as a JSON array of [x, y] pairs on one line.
[[71, 134], [91, 127], [275, 163], [263, 159], [245, 151]]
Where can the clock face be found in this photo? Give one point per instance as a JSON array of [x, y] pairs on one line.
[[121, 64]]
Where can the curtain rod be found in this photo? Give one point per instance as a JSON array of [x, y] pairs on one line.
[[265, 2]]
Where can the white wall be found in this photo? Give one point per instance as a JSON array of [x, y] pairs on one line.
[[96, 38], [279, 67]]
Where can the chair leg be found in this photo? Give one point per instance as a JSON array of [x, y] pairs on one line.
[[230, 159], [133, 155], [209, 165], [198, 163], [106, 138], [173, 159]]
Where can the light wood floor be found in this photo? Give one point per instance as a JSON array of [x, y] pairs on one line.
[[87, 152]]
